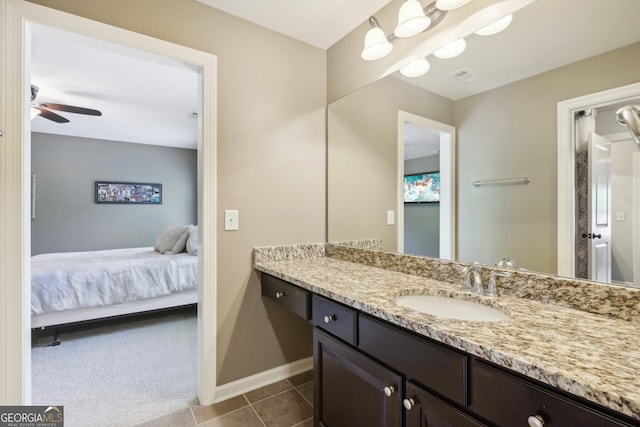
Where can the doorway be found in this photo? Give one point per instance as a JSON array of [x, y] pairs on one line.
[[15, 115], [430, 136], [604, 101]]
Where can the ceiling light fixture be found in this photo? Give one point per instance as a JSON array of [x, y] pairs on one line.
[[450, 4], [411, 19], [416, 68], [496, 27], [376, 44], [451, 50]]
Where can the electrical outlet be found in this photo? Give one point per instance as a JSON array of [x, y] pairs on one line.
[[231, 220], [391, 218]]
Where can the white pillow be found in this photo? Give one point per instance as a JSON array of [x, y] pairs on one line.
[[172, 240], [193, 242]]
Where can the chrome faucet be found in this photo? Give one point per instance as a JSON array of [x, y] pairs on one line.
[[473, 278], [492, 287]]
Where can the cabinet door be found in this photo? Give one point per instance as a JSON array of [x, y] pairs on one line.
[[425, 410], [352, 390]]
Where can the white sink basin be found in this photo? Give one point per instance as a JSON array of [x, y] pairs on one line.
[[452, 308]]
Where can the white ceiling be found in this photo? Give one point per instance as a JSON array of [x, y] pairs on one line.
[[150, 99], [320, 23], [143, 98]]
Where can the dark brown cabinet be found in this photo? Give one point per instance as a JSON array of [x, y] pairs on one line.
[[335, 318], [352, 390], [370, 373], [426, 410], [507, 400], [290, 296]]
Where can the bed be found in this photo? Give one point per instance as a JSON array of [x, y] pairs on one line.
[[80, 286]]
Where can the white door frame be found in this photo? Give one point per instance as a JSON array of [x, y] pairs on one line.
[[15, 15], [447, 182], [566, 166]]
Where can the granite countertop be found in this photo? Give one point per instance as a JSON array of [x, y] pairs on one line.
[[589, 355]]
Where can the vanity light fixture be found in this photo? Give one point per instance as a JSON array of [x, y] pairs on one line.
[[376, 44], [451, 50], [411, 19], [450, 4], [496, 27], [416, 68]]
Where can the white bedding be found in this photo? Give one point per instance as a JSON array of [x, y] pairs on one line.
[[68, 281]]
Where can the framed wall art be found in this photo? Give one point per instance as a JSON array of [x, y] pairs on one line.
[[132, 193]]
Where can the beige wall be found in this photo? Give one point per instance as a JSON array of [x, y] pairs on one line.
[[271, 160], [362, 156], [511, 132]]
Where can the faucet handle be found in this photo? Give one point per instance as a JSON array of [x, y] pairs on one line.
[[492, 287], [506, 263]]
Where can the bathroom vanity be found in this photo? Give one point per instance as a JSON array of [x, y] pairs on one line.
[[378, 363]]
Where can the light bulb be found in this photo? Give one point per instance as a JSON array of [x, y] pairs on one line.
[[451, 50], [411, 19], [376, 45], [450, 4], [496, 27], [415, 68]]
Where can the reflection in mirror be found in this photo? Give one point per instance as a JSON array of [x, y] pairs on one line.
[[506, 127]]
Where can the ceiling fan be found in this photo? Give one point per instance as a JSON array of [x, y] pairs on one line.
[[45, 107]]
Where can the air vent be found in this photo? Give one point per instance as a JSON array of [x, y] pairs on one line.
[[464, 75]]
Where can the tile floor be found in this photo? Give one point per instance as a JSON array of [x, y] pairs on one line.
[[286, 403]]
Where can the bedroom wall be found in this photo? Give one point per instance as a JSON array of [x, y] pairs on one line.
[[271, 161], [422, 221], [67, 217]]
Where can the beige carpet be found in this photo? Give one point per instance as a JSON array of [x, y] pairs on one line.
[[121, 374]]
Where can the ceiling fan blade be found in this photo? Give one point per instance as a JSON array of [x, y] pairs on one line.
[[50, 115], [70, 109]]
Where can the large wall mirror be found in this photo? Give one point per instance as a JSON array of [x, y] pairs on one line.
[[501, 98]]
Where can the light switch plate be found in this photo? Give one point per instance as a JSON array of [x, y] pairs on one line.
[[391, 218], [231, 219]]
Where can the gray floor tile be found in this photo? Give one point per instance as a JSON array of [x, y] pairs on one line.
[[305, 423], [302, 378], [284, 410], [204, 413], [244, 417], [306, 390], [267, 391], [180, 418]]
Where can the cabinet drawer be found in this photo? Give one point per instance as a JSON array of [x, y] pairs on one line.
[[290, 296], [507, 400], [434, 366], [335, 318], [427, 410]]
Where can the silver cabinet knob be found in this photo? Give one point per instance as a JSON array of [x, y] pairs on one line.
[[280, 295], [535, 421], [389, 390], [329, 319], [408, 403]]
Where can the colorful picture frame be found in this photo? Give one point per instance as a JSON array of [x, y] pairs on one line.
[[129, 193]]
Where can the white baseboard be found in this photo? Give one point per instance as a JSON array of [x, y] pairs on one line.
[[261, 379]]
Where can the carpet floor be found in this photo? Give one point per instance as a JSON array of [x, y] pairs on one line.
[[121, 374]]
